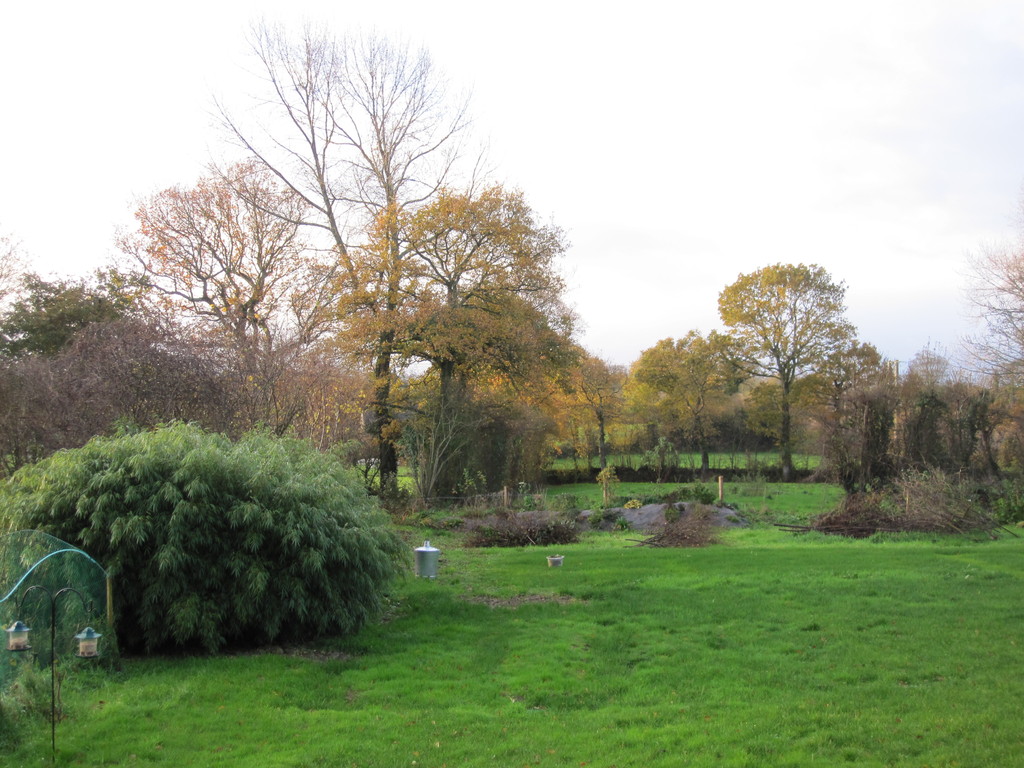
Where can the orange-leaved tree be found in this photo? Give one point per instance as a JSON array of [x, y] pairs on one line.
[[786, 320], [683, 383], [483, 304], [227, 257]]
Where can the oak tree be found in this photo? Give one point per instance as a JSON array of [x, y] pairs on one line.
[[683, 383], [484, 302], [228, 257], [785, 320], [227, 252], [481, 269], [598, 389]]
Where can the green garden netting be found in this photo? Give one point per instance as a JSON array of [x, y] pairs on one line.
[[33, 559]]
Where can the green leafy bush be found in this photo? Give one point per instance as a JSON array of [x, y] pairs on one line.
[[1007, 501], [212, 542], [702, 494], [25, 701], [565, 502], [599, 517]]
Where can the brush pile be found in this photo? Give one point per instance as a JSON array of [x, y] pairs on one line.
[[917, 503], [521, 529], [696, 529]]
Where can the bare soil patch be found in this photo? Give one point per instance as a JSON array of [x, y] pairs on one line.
[[516, 600]]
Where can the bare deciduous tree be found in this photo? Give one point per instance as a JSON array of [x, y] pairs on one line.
[[997, 292], [361, 130], [226, 251], [128, 370], [12, 265]]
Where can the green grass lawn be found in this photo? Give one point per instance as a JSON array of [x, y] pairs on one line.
[[765, 650]]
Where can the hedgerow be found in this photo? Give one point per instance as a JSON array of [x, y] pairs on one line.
[[212, 542]]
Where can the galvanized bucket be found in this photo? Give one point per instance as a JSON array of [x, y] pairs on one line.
[[426, 560]]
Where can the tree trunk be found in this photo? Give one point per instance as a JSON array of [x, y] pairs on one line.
[[387, 451], [785, 438], [449, 423]]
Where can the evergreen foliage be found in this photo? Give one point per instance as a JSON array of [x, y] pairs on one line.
[[50, 313], [212, 542]]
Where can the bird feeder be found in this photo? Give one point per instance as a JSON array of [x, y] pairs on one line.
[[88, 643], [17, 637]]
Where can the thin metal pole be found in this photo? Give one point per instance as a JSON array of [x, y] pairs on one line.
[[53, 678], [110, 602], [53, 654]]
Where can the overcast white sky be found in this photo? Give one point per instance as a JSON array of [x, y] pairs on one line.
[[678, 147]]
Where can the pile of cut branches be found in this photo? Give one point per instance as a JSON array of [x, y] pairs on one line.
[[916, 503], [696, 529], [520, 529]]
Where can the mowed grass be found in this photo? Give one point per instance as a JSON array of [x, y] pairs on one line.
[[764, 650]]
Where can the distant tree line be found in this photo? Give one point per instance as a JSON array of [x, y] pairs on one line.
[[351, 278], [80, 357]]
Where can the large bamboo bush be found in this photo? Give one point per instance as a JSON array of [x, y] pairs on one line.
[[212, 542]]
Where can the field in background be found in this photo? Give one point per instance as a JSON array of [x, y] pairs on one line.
[[758, 501], [742, 461]]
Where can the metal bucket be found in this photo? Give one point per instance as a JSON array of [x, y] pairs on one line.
[[426, 560]]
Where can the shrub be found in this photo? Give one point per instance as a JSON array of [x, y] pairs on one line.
[[212, 542], [1007, 500], [702, 494], [599, 517], [521, 529], [441, 521], [607, 479], [26, 700], [565, 502]]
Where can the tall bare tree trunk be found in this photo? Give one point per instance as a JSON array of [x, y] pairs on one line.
[[360, 130]]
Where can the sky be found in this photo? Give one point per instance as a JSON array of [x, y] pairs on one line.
[[678, 145]]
